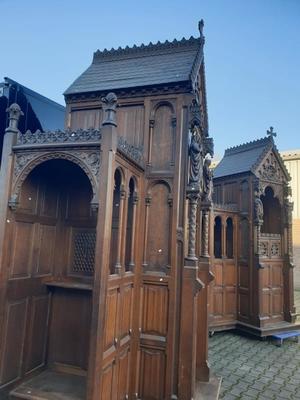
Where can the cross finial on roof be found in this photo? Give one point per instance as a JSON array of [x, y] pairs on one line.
[[270, 132], [201, 27]]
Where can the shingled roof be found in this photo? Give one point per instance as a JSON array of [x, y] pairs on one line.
[[154, 64], [245, 158]]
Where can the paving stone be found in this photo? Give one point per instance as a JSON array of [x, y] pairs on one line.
[[254, 369]]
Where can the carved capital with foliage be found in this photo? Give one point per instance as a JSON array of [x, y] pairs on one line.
[[14, 113]]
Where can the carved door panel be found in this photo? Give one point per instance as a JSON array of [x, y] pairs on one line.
[[271, 276], [223, 298]]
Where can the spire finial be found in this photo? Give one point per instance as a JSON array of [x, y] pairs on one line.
[[271, 133], [201, 27]]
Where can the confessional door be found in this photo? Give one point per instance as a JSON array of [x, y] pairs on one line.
[[271, 279], [50, 261], [223, 289], [223, 295]]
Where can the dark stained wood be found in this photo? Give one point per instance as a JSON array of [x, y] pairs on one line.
[[99, 249], [253, 289]]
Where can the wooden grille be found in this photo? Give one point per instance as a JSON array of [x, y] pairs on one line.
[[84, 242]]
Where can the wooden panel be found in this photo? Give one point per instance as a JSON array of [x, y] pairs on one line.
[[266, 304], [277, 278], [162, 140], [277, 303], [155, 309], [126, 311], [38, 332], [244, 276], [218, 303], [108, 378], [159, 229], [152, 374], [29, 195], [50, 199], [110, 334], [230, 193], [70, 327], [14, 335], [123, 374], [230, 303], [85, 119], [130, 120], [244, 203], [244, 305], [229, 275], [218, 273], [45, 243], [22, 250]]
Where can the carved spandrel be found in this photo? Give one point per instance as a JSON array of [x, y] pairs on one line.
[[25, 162]]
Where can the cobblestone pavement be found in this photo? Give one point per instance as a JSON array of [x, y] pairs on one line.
[[255, 369]]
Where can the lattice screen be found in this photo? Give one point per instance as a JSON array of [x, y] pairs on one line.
[[84, 242]]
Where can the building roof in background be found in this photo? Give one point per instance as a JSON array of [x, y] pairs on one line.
[[145, 65], [50, 114], [290, 155]]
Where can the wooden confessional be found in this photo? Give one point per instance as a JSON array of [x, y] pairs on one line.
[[252, 244], [104, 237]]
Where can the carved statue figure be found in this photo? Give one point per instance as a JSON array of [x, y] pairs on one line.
[[207, 181], [258, 209], [195, 153]]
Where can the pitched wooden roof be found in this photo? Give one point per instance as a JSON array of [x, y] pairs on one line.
[[247, 157], [154, 64]]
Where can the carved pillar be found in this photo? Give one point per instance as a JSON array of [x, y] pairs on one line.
[[151, 126], [193, 198], [205, 233], [6, 174], [102, 253], [118, 265], [147, 206], [133, 233]]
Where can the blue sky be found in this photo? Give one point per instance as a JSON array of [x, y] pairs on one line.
[[252, 53]]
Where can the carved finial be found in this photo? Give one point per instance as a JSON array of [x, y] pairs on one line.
[[109, 104], [271, 133], [201, 27], [15, 113]]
